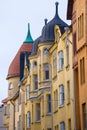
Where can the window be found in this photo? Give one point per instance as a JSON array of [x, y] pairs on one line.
[[82, 70], [56, 127], [61, 96], [35, 63], [38, 112], [54, 64], [55, 100], [28, 120], [62, 126], [68, 91], [60, 60], [42, 105], [49, 129], [80, 26], [67, 54], [10, 86], [49, 103], [7, 110], [28, 92], [69, 124], [19, 123], [74, 44], [84, 116], [45, 51], [35, 82], [19, 99], [46, 71]]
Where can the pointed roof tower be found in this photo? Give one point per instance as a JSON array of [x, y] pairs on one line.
[[48, 29], [15, 66]]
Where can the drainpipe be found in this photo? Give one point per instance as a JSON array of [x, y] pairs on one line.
[[14, 112]]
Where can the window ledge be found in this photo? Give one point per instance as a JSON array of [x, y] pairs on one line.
[[49, 114], [60, 71], [60, 106], [38, 121]]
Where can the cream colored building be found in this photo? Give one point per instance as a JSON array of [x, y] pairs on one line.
[[41, 94]]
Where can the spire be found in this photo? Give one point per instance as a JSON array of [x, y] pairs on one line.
[[56, 14], [28, 38]]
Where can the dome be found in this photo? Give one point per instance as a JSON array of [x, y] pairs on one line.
[[35, 46], [26, 47], [48, 29]]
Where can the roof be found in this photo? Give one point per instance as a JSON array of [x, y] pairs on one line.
[[5, 100], [14, 69], [48, 29], [15, 66], [69, 9]]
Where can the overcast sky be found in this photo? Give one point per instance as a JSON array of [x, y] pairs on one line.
[[14, 18]]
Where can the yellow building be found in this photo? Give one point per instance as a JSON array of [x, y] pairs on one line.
[[77, 12], [62, 82], [41, 91]]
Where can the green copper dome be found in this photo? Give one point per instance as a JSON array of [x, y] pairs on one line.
[[28, 38]]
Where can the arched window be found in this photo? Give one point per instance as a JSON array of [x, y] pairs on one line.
[[10, 86]]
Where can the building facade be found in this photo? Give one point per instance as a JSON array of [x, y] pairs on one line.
[[2, 127], [40, 78], [77, 12]]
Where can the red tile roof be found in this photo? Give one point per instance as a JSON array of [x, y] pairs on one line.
[[14, 69]]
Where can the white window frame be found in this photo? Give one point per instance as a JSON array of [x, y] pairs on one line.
[[61, 96], [60, 60], [62, 125]]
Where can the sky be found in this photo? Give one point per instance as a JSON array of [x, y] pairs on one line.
[[14, 18]]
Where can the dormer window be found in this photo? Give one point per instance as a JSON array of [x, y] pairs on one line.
[[10, 86], [45, 51]]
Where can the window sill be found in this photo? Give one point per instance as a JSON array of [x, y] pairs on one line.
[[60, 71], [60, 106], [49, 114], [38, 121]]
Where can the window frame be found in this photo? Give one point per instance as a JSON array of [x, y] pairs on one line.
[[60, 60]]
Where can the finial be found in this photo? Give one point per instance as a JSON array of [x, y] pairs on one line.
[[28, 38], [56, 7], [28, 27], [45, 21]]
